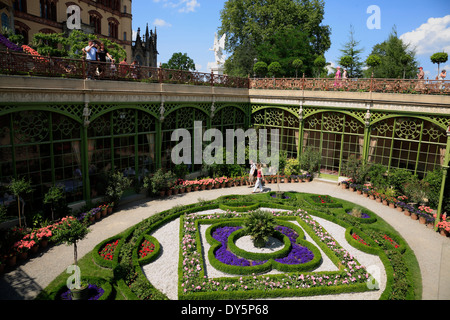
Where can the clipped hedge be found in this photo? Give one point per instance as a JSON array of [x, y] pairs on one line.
[[239, 206]]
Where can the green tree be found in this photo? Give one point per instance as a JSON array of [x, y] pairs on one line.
[[61, 45], [284, 47], [391, 53], [320, 64], [439, 57], [53, 196], [351, 56], [373, 61], [19, 187], [260, 69], [70, 231], [274, 69], [180, 61], [251, 24], [297, 64]]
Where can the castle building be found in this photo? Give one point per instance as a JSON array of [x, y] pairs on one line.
[[109, 19], [144, 49]]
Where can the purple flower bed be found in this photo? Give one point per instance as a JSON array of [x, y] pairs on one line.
[[224, 255], [363, 215], [297, 255], [94, 293], [10, 45], [283, 197]]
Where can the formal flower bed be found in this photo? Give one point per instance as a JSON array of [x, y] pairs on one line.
[[195, 282], [107, 252], [147, 247], [194, 285]]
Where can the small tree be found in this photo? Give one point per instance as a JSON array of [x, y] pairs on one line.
[[259, 225], [19, 187], [260, 69], [70, 232], [117, 184], [274, 69], [297, 64], [439, 57], [373, 61], [320, 63], [52, 197]]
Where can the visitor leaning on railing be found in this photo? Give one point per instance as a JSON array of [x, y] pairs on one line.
[[15, 63]]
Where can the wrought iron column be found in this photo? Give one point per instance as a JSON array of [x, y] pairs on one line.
[[445, 168]]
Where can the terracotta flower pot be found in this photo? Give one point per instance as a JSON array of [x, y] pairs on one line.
[[414, 216], [11, 261], [399, 209], [406, 213], [422, 220], [444, 232]]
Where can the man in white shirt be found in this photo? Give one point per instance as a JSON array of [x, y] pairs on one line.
[[91, 55]]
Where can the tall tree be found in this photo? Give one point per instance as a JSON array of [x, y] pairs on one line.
[[351, 56], [179, 61], [252, 26], [393, 64]]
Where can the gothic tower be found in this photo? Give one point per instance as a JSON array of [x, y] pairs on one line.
[[145, 49]]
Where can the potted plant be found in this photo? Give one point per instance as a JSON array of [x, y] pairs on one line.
[[19, 187], [259, 225], [52, 197], [70, 232], [117, 184]]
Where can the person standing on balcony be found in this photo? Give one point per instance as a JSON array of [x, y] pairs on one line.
[[442, 77], [91, 55], [337, 77], [102, 53], [420, 77]]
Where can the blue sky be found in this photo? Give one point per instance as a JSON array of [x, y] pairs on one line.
[[188, 26]]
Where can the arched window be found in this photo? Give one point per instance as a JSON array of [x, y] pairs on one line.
[[5, 21], [95, 20], [48, 9], [22, 29], [113, 28], [20, 5]]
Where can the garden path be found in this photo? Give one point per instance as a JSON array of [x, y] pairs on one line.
[[431, 249]]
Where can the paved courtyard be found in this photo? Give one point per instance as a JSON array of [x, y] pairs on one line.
[[431, 249]]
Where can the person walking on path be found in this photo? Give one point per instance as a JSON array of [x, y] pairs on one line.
[[259, 179]]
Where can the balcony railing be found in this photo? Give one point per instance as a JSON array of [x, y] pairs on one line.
[[25, 64], [355, 85]]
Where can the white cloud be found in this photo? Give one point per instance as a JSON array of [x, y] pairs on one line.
[[161, 23], [432, 36], [185, 6]]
